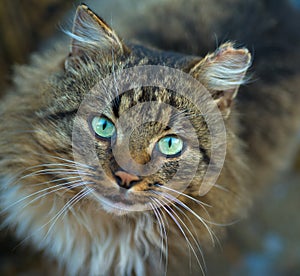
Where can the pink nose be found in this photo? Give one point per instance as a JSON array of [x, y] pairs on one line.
[[126, 180]]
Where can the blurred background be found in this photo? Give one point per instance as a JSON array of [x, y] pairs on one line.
[[266, 243]]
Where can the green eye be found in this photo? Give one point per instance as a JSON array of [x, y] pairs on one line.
[[170, 145], [103, 127]]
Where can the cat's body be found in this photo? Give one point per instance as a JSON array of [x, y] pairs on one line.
[[91, 238]]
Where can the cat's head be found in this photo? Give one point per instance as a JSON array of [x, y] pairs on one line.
[[140, 138]]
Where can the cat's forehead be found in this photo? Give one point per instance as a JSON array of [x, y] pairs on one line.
[[153, 110], [142, 106]]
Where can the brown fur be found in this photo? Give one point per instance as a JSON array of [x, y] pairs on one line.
[[38, 115]]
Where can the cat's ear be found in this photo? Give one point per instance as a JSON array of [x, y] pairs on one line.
[[91, 35], [222, 73]]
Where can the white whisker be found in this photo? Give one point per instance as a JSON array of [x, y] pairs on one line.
[[170, 212], [164, 236], [56, 217], [202, 220], [54, 171], [55, 180], [66, 160], [190, 233], [67, 206], [44, 192], [185, 195]]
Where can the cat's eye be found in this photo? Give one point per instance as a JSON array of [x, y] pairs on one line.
[[170, 145], [103, 127]]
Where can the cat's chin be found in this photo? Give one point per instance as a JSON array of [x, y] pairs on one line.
[[120, 206], [122, 209]]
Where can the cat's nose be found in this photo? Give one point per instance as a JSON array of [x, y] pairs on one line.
[[125, 179]]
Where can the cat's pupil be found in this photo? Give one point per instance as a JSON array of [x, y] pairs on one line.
[[104, 125], [170, 142]]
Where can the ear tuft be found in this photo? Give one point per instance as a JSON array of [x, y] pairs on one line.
[[223, 72], [90, 34]]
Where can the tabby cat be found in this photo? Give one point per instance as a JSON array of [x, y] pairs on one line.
[[109, 217]]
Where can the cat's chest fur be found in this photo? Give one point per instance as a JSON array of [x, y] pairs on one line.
[[88, 239]]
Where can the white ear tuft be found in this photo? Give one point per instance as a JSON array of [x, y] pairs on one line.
[[223, 72], [90, 33]]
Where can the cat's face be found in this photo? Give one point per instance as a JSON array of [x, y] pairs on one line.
[[142, 140], [149, 145], [142, 144]]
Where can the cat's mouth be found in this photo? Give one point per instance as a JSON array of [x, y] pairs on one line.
[[123, 202], [126, 197]]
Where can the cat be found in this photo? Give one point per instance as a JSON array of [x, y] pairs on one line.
[[86, 215]]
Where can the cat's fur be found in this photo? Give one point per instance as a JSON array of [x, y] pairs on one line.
[[91, 238]]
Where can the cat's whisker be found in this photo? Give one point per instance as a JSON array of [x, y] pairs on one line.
[[116, 88], [166, 202], [63, 188], [15, 178], [159, 225], [163, 207], [64, 165], [44, 193], [164, 221], [82, 194], [56, 180], [28, 196], [192, 224], [177, 207], [84, 191], [185, 195], [64, 159], [164, 236], [221, 187], [57, 169], [180, 115], [105, 84], [171, 213], [46, 165], [89, 190], [203, 206], [54, 172], [202, 220], [237, 195]]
